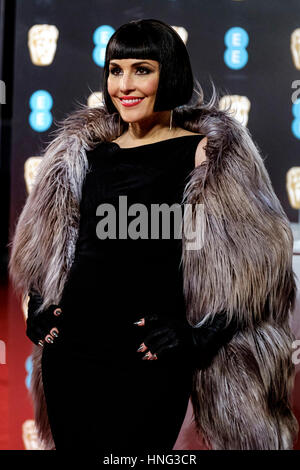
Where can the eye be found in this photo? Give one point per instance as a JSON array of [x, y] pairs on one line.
[[144, 70], [113, 70]]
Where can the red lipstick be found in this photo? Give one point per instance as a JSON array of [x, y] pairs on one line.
[[127, 100]]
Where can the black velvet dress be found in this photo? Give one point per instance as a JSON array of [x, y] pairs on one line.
[[100, 394]]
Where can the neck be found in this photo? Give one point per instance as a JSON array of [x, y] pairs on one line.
[[151, 128]]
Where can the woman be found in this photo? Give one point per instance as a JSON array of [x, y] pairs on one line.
[[119, 296]]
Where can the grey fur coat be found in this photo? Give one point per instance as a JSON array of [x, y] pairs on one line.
[[242, 399]]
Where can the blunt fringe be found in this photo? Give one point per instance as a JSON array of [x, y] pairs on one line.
[[155, 40]]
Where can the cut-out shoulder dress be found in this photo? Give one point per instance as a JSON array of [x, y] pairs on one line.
[[100, 394]]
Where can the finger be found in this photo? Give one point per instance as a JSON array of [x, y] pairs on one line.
[[54, 332], [57, 311], [140, 322], [49, 339], [146, 357], [154, 357], [148, 319], [149, 356], [142, 348]]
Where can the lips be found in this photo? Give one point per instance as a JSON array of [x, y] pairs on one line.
[[131, 101]]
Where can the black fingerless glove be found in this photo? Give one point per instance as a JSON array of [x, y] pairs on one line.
[[40, 324], [167, 337]]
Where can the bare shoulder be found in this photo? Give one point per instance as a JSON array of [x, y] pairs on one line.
[[200, 154]]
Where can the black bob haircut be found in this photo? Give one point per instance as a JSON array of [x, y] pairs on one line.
[[155, 40]]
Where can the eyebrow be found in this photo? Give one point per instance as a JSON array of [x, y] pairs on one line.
[[135, 63]]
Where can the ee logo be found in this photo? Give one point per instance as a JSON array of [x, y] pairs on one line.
[[101, 37], [40, 118], [236, 40], [296, 121]]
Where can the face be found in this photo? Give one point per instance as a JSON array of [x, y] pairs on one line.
[[132, 85]]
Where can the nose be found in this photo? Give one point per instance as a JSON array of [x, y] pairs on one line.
[[126, 83]]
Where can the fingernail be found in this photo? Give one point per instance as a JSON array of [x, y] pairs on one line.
[[140, 348], [41, 343], [49, 340], [55, 334], [57, 312], [146, 356], [138, 322]]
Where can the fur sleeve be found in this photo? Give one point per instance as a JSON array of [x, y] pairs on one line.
[[244, 265], [45, 234]]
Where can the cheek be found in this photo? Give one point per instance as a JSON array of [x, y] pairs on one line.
[[151, 86], [111, 88]]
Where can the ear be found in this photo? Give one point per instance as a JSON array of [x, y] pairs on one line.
[[200, 155]]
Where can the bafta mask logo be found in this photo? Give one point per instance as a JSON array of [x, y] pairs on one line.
[[182, 33], [42, 41], [30, 436], [30, 170], [295, 47], [95, 100], [239, 107], [293, 186]]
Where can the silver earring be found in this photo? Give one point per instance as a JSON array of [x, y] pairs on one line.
[[171, 117]]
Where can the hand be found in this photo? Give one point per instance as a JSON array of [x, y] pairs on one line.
[[42, 326], [166, 335], [172, 336]]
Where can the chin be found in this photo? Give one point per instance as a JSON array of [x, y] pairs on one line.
[[131, 120]]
